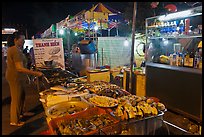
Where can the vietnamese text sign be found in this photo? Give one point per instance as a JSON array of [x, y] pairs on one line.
[[47, 50]]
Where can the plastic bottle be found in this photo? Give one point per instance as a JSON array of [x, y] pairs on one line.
[[181, 27], [196, 60]]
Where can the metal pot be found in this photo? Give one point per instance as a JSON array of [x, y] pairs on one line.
[[48, 63]]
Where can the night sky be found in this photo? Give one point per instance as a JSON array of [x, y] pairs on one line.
[[38, 16]]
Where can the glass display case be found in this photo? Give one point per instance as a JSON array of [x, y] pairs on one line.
[[175, 39]]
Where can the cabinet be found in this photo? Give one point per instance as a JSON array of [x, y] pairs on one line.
[[178, 87]]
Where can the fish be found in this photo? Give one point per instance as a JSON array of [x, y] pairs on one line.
[[55, 57], [54, 50]]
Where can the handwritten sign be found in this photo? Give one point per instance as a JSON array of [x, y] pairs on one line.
[[47, 50]]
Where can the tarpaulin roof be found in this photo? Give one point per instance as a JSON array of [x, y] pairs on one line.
[[102, 8]]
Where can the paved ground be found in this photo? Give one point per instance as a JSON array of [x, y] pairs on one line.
[[36, 124]]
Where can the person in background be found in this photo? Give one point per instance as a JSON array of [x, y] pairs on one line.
[[31, 52], [25, 51], [16, 75], [76, 59], [5, 48], [29, 60]]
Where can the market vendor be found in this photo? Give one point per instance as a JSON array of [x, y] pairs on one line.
[[76, 60], [16, 75]]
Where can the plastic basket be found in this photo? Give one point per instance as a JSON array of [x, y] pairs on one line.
[[85, 114], [114, 129]]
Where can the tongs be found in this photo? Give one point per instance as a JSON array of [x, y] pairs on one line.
[[42, 79]]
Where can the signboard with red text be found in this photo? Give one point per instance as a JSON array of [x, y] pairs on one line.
[[49, 50]]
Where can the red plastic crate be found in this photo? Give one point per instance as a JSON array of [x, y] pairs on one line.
[[85, 114]]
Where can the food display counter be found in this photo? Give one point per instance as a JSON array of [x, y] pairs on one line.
[[100, 108]]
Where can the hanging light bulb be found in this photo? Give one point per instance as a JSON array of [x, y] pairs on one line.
[[61, 31], [126, 43]]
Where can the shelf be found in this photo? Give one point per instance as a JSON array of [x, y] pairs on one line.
[[175, 68], [178, 37]]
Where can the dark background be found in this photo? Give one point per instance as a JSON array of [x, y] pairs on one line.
[[38, 16]]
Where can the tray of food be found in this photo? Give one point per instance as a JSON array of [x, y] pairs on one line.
[[103, 101], [134, 107], [105, 89], [79, 80], [88, 122], [66, 108]]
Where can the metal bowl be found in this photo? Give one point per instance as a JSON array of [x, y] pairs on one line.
[[66, 108]]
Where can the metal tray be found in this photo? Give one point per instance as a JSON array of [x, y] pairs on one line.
[[144, 126]]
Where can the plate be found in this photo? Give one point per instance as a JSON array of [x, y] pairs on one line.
[[103, 101], [94, 70], [104, 70]]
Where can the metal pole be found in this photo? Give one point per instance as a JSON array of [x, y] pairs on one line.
[[26, 34], [117, 31], [68, 39], [101, 27], [132, 49], [102, 56]]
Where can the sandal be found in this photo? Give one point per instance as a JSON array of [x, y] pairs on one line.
[[17, 124]]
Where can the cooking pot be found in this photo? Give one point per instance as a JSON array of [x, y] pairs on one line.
[[48, 63]]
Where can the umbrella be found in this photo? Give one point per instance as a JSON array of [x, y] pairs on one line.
[[171, 7]]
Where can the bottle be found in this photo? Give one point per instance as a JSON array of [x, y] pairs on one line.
[[180, 60], [165, 29], [200, 63], [175, 59], [181, 27], [171, 29], [191, 59], [174, 26], [162, 28], [171, 59], [168, 28], [187, 26], [196, 60], [186, 59]]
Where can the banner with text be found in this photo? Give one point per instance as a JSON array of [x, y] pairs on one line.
[[47, 50]]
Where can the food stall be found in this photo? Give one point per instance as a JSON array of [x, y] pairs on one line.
[[174, 61]]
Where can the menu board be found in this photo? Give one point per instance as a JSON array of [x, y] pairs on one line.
[[47, 50]]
